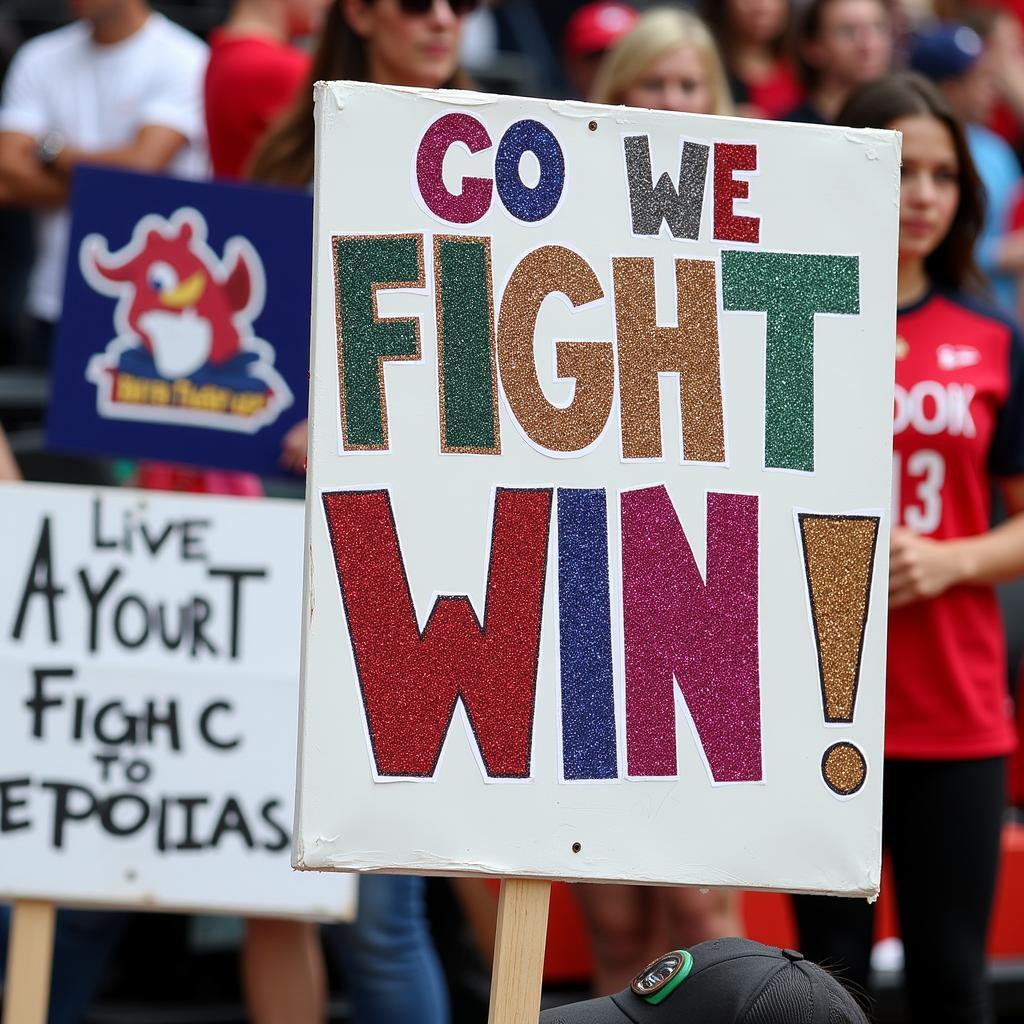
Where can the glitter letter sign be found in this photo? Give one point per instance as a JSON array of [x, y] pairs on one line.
[[601, 418]]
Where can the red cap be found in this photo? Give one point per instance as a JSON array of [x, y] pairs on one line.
[[597, 26]]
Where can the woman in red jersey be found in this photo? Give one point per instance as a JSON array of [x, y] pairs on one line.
[[959, 430]]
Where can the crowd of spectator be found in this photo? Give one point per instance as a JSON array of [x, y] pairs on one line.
[[122, 85]]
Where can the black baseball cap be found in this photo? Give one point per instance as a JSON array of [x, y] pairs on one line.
[[725, 981]]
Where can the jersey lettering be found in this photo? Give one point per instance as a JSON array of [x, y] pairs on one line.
[[933, 408], [926, 472]]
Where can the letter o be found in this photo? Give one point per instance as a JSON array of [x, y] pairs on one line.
[[525, 203], [923, 423], [120, 614], [137, 771], [107, 813]]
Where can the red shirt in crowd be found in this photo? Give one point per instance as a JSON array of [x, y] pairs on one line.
[[249, 80], [959, 422], [776, 93]]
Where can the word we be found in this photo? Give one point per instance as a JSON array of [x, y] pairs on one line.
[[678, 205]]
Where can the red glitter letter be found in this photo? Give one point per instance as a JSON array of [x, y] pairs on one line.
[[730, 226], [475, 198], [703, 635], [410, 681]]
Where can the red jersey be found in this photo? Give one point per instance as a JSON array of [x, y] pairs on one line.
[[778, 92], [249, 80], [958, 422]]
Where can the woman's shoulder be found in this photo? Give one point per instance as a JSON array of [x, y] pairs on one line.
[[969, 304]]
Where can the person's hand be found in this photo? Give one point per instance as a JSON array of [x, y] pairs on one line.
[[293, 447], [920, 568]]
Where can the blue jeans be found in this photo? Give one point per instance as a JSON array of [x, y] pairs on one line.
[[388, 955], [83, 943]]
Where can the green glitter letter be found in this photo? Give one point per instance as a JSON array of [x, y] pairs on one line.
[[362, 265], [790, 288], [466, 372]]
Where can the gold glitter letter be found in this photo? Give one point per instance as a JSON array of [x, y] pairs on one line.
[[691, 350], [549, 269], [839, 557]]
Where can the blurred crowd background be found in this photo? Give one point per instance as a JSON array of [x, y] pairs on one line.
[[796, 61]]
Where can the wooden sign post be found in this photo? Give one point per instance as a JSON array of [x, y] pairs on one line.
[[518, 972], [564, 618], [29, 962]]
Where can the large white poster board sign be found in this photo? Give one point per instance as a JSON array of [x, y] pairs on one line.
[[600, 463], [148, 701]]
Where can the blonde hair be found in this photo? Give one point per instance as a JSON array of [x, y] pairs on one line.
[[656, 33]]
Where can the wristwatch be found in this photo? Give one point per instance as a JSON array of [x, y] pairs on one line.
[[49, 147]]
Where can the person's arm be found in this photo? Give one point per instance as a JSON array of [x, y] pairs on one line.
[[8, 467], [293, 447], [922, 568], [24, 181], [24, 119], [151, 150]]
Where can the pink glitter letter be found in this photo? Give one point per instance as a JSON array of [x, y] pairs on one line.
[[475, 198], [702, 634]]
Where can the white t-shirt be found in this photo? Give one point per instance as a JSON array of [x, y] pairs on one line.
[[98, 97]]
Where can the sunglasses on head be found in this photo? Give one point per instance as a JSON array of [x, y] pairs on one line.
[[459, 7]]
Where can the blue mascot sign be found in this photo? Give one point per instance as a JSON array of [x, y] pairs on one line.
[[185, 327]]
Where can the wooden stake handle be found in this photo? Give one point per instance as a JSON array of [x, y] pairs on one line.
[[519, 951], [29, 959]]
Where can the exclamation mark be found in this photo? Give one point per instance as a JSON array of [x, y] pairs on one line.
[[839, 559]]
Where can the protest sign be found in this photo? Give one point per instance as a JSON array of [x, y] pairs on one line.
[[149, 658], [601, 419], [184, 334]]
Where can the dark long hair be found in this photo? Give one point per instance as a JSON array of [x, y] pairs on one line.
[[285, 156], [719, 19], [907, 94]]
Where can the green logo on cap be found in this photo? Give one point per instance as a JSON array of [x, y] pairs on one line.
[[656, 982]]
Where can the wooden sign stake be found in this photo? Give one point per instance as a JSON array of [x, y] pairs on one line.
[[29, 960], [519, 951]]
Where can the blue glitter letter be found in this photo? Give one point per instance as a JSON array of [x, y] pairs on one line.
[[585, 640], [523, 202]]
